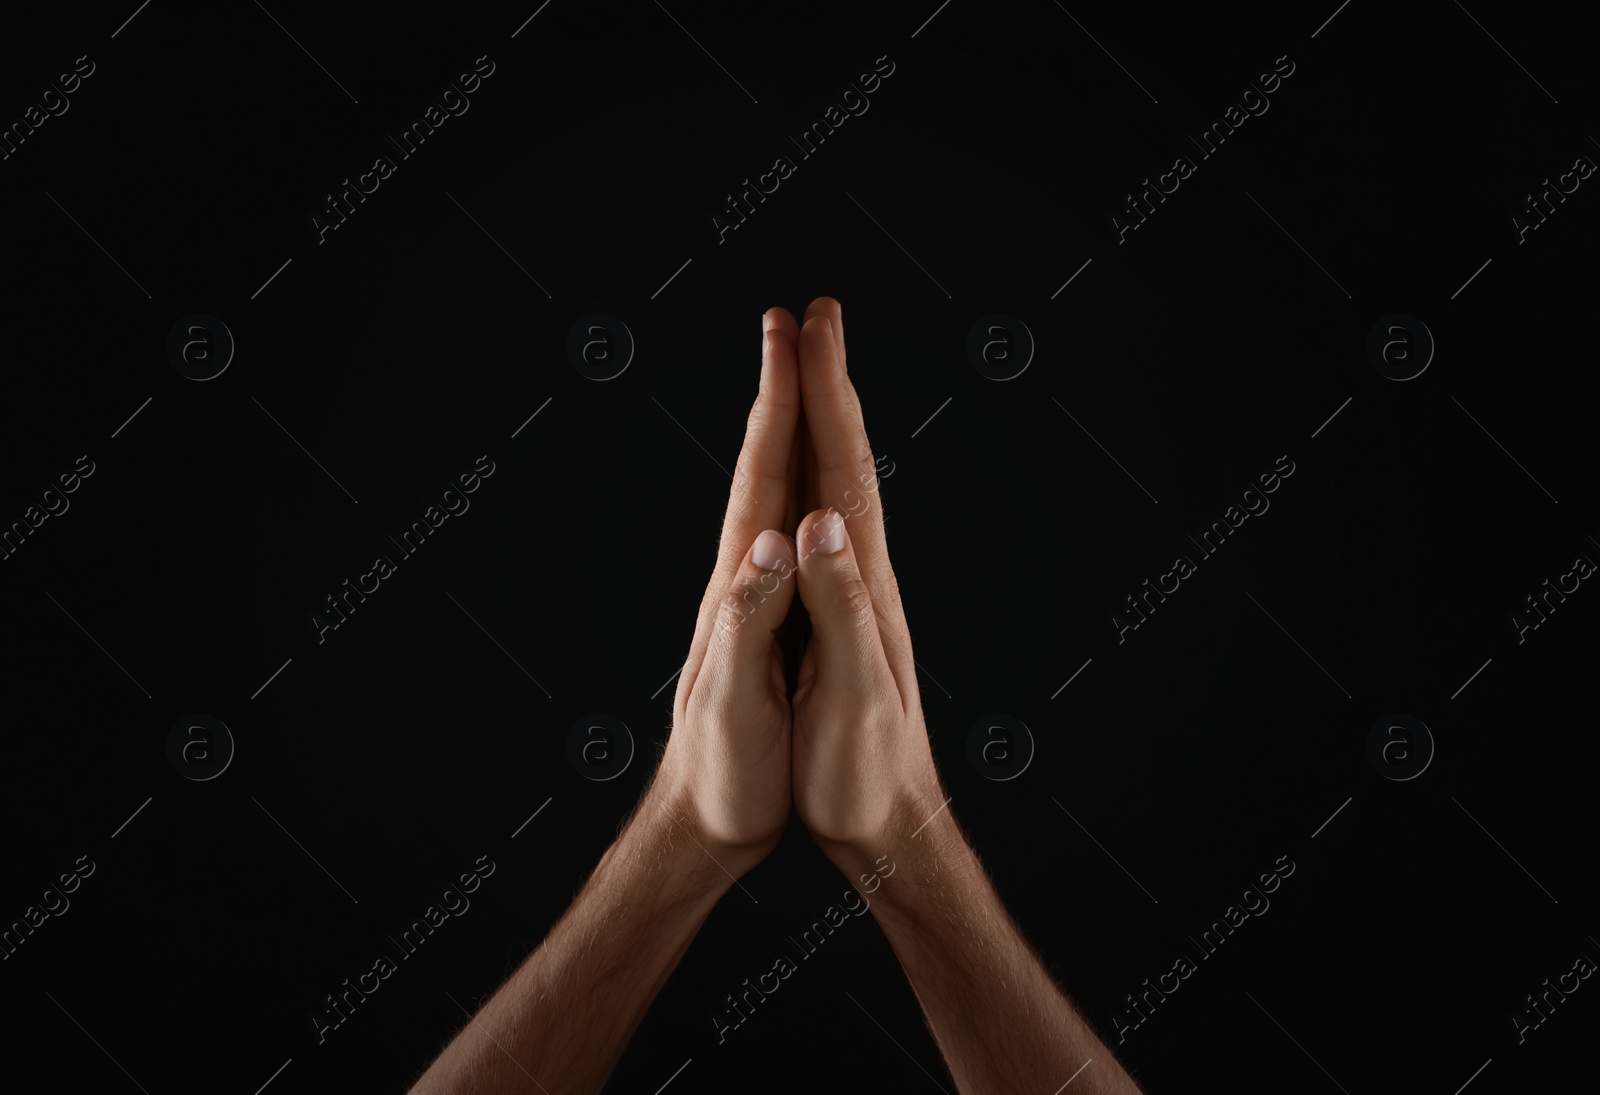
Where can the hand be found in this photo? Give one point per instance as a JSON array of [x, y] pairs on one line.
[[863, 779], [863, 771], [725, 774]]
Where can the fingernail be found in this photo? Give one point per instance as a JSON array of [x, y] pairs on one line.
[[771, 551], [827, 535], [766, 322]]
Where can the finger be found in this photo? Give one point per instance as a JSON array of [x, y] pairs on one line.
[[808, 466], [749, 612], [846, 477], [758, 498], [761, 476], [760, 493], [847, 645], [834, 311], [794, 507], [781, 320]]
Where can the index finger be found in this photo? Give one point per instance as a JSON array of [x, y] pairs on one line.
[[759, 498], [846, 472]]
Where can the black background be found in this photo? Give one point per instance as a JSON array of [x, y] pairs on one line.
[[1175, 368]]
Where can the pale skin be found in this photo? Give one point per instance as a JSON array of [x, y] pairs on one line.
[[848, 751]]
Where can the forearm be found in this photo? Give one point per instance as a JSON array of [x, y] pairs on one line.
[[996, 1014], [563, 1018]]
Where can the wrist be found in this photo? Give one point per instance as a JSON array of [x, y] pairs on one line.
[[670, 825], [657, 839], [919, 835]]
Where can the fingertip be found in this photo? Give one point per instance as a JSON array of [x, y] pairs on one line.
[[821, 533], [779, 319], [779, 372], [817, 341], [772, 551], [762, 587], [823, 306]]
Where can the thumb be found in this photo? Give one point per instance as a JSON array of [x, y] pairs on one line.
[[755, 605], [844, 624]]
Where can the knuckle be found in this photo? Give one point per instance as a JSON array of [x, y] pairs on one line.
[[856, 598], [735, 606], [858, 454], [751, 471], [861, 452]]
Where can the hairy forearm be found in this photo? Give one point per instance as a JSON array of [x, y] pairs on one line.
[[999, 1019], [563, 1018]]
